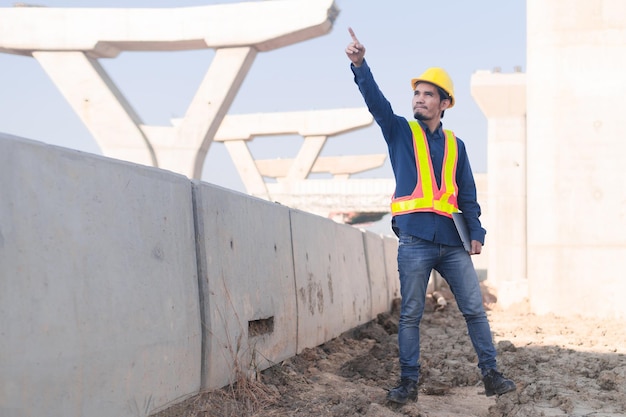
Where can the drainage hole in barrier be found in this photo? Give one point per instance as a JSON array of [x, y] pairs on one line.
[[260, 327]]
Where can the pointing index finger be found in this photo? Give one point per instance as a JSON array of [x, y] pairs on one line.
[[354, 39]]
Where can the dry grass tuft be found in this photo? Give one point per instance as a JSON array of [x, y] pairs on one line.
[[246, 397]]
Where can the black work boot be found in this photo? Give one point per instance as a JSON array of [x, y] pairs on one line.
[[407, 390], [496, 384]]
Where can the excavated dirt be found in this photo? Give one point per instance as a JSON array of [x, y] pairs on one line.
[[562, 366]]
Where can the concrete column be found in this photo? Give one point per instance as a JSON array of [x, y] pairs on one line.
[[185, 150], [118, 129], [98, 102], [577, 157], [304, 161], [502, 98], [250, 174]]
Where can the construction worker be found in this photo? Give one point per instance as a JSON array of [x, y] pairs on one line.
[[433, 180]]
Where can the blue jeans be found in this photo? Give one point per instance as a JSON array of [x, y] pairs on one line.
[[416, 259]]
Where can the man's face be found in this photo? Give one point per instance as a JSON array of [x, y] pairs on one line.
[[426, 102]]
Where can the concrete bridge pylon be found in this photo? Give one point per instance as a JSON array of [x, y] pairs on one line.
[[502, 99], [68, 43]]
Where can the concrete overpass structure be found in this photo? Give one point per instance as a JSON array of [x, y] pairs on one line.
[[288, 181], [68, 43]]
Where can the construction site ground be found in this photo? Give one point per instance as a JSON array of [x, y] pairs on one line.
[[563, 366]]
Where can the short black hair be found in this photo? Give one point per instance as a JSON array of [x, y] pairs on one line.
[[442, 94]]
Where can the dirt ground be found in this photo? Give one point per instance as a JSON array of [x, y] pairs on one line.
[[562, 367]]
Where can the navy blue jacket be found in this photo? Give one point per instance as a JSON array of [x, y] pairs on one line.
[[397, 133]]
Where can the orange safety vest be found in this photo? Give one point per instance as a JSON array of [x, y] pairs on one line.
[[427, 196]]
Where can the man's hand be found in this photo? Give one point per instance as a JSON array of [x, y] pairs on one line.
[[355, 51], [477, 247]]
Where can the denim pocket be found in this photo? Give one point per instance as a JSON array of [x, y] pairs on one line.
[[407, 239]]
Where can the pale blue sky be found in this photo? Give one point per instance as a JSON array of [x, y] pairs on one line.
[[402, 37]]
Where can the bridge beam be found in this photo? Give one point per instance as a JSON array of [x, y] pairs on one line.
[[67, 42], [105, 32], [315, 126]]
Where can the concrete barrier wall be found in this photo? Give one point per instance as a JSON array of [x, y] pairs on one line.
[[245, 263], [125, 289], [98, 285], [390, 250], [377, 272], [332, 286]]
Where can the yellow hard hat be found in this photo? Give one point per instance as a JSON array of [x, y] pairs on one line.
[[438, 77]]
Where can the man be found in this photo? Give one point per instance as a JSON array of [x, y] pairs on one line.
[[433, 180]]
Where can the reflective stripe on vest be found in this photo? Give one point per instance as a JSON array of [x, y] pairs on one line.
[[427, 196]]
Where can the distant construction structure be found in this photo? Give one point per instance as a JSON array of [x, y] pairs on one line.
[[556, 162], [69, 42], [556, 195]]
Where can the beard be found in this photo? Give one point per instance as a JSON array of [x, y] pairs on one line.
[[420, 116]]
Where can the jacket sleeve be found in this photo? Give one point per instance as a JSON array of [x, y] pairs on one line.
[[376, 103]]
